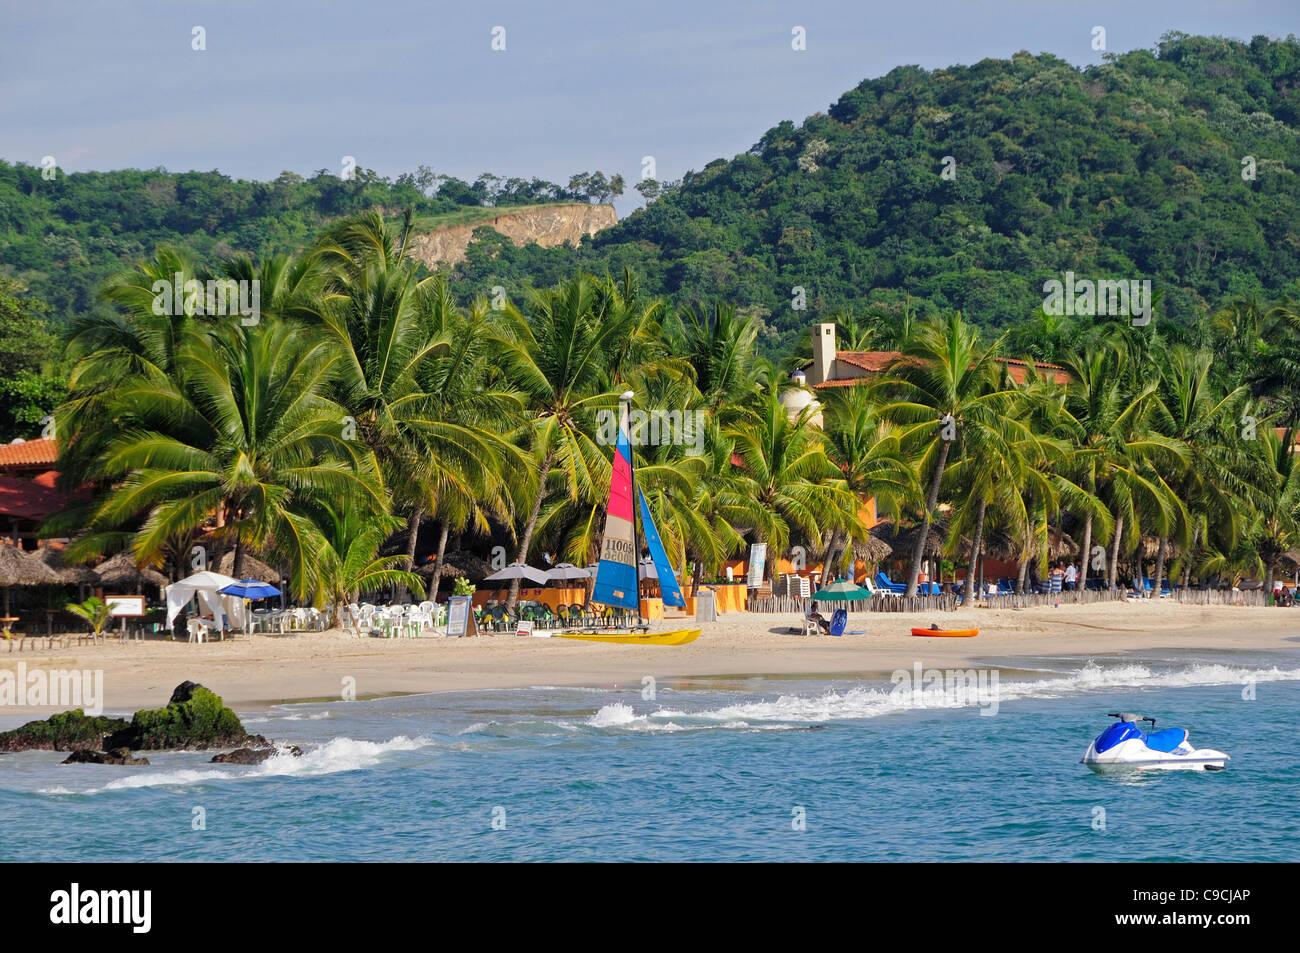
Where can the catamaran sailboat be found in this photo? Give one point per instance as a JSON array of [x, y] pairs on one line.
[[617, 579]]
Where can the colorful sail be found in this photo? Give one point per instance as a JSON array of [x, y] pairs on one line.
[[616, 579], [668, 587]]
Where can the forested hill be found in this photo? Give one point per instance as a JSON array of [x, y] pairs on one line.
[[1132, 169], [62, 235], [1128, 170]]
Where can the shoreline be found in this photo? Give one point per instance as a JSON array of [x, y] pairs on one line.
[[315, 667]]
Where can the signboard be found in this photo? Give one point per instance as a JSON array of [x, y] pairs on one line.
[[124, 607], [459, 616], [757, 561]]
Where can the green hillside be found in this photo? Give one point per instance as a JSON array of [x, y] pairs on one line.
[[1131, 169]]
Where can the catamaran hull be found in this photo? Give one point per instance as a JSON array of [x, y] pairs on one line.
[[676, 637]]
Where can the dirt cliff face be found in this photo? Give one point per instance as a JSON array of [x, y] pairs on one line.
[[548, 226]]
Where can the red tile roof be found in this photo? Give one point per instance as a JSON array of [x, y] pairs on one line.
[[24, 499], [877, 361], [869, 360], [31, 453]]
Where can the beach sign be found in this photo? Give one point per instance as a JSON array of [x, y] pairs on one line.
[[757, 560], [459, 616], [125, 606]]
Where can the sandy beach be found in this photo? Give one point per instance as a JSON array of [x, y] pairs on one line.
[[316, 666]]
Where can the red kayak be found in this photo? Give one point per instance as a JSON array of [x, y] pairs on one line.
[[948, 633]]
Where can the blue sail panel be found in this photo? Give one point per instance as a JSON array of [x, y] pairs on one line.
[[672, 592]]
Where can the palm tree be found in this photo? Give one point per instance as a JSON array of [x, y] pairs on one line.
[[941, 391], [408, 370], [246, 433], [784, 482], [565, 359], [867, 453]]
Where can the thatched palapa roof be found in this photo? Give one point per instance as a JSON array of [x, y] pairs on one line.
[[20, 568], [121, 570]]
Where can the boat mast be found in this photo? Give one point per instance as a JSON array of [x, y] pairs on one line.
[[625, 399]]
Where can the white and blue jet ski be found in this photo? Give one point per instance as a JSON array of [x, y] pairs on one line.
[[1123, 745]]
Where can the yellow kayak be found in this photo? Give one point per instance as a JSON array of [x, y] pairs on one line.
[[676, 637]]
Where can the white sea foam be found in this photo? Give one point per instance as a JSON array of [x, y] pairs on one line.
[[870, 702], [340, 754], [613, 715]]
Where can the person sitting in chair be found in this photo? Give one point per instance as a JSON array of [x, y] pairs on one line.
[[820, 621]]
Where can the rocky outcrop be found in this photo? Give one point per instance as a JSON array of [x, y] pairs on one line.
[[66, 731], [547, 225], [120, 756], [194, 719], [254, 755]]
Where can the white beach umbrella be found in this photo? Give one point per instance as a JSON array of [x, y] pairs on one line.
[[562, 572], [518, 571]]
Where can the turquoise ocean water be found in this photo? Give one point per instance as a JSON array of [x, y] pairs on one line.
[[747, 768]]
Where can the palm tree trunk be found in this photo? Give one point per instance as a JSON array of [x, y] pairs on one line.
[[1160, 569], [1268, 583], [1085, 552], [237, 566], [1024, 569], [1187, 557], [436, 578], [412, 537], [1113, 568], [527, 539], [918, 551], [832, 551], [971, 592]]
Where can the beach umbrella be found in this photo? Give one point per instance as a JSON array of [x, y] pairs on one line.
[[250, 589], [563, 572], [19, 568], [517, 570], [842, 590]]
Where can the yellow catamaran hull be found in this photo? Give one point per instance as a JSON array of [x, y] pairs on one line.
[[676, 637]]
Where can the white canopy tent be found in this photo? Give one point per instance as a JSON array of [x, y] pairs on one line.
[[206, 586]]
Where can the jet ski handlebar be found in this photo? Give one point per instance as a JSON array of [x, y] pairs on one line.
[[1129, 716]]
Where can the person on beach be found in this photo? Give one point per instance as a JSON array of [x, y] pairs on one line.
[[1071, 577]]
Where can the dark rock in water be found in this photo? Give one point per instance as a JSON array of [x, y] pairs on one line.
[[116, 756], [254, 755], [194, 719], [66, 731]]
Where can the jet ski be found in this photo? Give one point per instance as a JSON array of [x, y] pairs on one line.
[[1124, 745]]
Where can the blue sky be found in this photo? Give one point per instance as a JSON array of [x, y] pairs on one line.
[[290, 84]]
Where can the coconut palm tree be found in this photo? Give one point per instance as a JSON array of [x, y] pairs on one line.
[[565, 358], [784, 482], [246, 433], [943, 390], [866, 451]]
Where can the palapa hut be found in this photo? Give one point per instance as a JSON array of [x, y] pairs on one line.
[[70, 574], [20, 568], [250, 568], [121, 572]]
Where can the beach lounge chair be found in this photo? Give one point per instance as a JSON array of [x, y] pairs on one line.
[[888, 585]]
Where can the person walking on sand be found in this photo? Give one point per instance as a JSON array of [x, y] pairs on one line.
[[1071, 577]]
